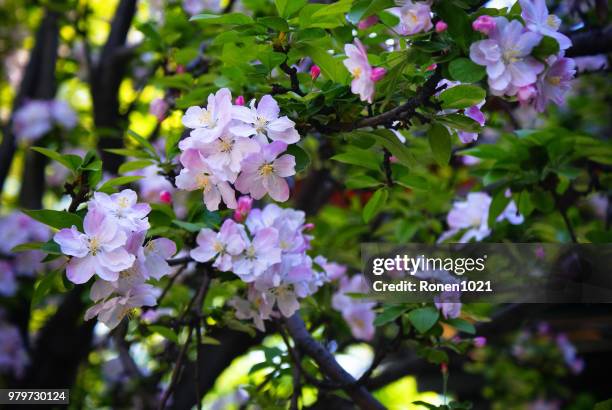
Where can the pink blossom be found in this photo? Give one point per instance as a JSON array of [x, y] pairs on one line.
[[198, 175], [477, 115], [378, 73], [63, 114], [239, 100], [537, 19], [480, 341], [226, 153], [526, 94], [288, 222], [333, 270], [431, 67], [97, 251], [506, 56], [484, 24], [441, 26], [243, 208], [449, 304], [258, 255], [152, 258], [264, 121], [367, 22], [555, 82], [415, 17], [123, 209], [193, 7], [257, 308], [265, 172], [159, 108], [32, 120], [315, 72], [591, 63], [361, 70], [222, 246], [357, 313], [208, 123], [112, 311]]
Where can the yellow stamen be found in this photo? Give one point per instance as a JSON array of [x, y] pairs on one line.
[[554, 80], [357, 72], [266, 169]]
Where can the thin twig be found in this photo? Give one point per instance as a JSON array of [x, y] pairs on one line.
[[175, 372]]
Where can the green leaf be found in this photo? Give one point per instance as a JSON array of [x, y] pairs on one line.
[[466, 71], [459, 122], [547, 47], [108, 186], [49, 247], [462, 96], [389, 314], [462, 325], [207, 340], [229, 19], [164, 331], [423, 318], [486, 151], [134, 165], [365, 8], [389, 140], [70, 161], [136, 153], [275, 23], [361, 181], [331, 67], [302, 159], [189, 226], [55, 219], [375, 204], [44, 285], [424, 404], [440, 143], [144, 142], [604, 405], [340, 7], [361, 157], [287, 8], [413, 182], [271, 59]]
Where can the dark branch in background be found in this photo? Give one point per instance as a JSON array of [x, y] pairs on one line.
[[38, 83], [594, 41], [328, 365], [105, 80]]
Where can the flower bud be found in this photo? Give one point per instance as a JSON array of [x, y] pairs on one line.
[[484, 24], [239, 100], [441, 26], [377, 74], [243, 208], [165, 197], [315, 71], [367, 22]]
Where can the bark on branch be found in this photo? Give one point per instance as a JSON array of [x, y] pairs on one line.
[[328, 365]]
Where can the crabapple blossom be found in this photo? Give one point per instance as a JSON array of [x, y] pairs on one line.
[[484, 24], [223, 246], [367, 22], [208, 123], [537, 20], [239, 100], [63, 114], [16, 229], [333, 270], [165, 197], [361, 70], [258, 255], [472, 112], [193, 7], [505, 54], [151, 257], [263, 121], [159, 108], [378, 73], [358, 314], [554, 82], [198, 175], [8, 282], [288, 222], [13, 355], [32, 121], [449, 304], [99, 250], [415, 17], [265, 172], [226, 153], [123, 209]]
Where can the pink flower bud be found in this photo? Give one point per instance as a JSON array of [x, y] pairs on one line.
[[441, 26], [444, 368], [180, 69], [243, 208], [393, 159], [526, 94], [367, 22], [377, 74], [165, 197], [484, 24], [239, 100], [480, 341], [431, 67], [159, 108], [315, 71], [309, 226]]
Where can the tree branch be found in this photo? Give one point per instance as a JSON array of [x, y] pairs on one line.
[[328, 365]]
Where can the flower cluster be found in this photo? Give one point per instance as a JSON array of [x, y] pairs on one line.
[[473, 112], [112, 247], [358, 314], [507, 56], [37, 118], [472, 215], [268, 252], [16, 229], [414, 17], [237, 145]]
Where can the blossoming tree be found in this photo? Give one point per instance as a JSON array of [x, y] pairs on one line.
[[185, 190]]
